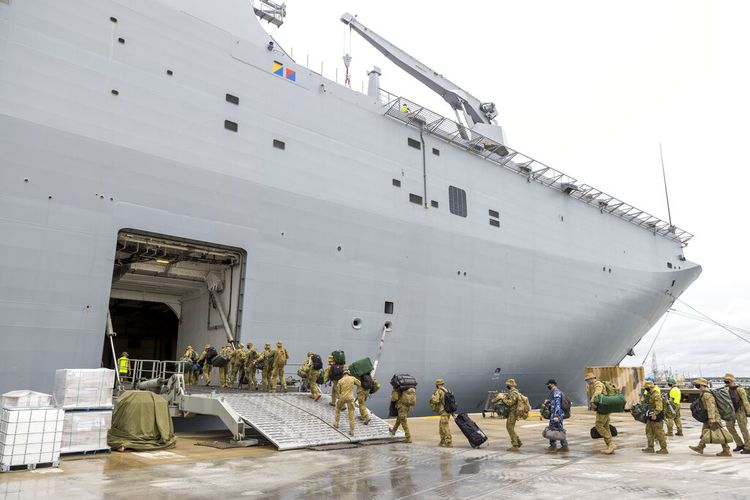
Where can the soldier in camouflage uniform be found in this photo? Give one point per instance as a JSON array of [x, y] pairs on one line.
[[437, 404], [312, 377], [655, 424], [251, 360], [405, 401], [280, 355], [191, 375], [227, 351], [346, 398], [602, 421], [236, 364], [714, 418], [327, 378], [362, 395], [511, 399], [266, 366], [206, 365], [741, 409]]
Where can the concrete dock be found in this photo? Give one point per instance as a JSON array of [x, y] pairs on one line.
[[419, 470]]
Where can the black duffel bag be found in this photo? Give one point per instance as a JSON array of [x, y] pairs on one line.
[[698, 411], [403, 381], [595, 433]]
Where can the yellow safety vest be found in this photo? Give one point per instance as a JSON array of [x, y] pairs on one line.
[[123, 364], [676, 395]]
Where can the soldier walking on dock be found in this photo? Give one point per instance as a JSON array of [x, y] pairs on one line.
[[741, 406], [654, 424], [602, 420], [437, 404], [712, 425]]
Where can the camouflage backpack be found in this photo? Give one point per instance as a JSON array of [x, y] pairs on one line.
[[523, 407], [610, 389], [409, 397]]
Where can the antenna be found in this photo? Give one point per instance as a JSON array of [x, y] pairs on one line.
[[666, 193]]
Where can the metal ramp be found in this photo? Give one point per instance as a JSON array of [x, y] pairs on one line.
[[293, 420]]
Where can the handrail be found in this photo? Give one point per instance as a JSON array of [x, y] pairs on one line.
[[454, 133]]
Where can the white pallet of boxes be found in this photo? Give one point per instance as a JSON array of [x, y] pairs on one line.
[[30, 431], [86, 397]]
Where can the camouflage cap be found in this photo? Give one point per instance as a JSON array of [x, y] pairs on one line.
[[207, 346], [649, 384], [700, 381], [589, 375], [440, 382], [309, 353], [346, 369], [241, 346], [267, 344], [125, 353], [511, 382], [729, 376], [330, 358], [279, 343]]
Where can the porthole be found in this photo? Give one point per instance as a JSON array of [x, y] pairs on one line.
[[388, 326], [357, 323]]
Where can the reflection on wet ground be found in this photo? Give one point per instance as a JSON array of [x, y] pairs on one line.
[[421, 470]]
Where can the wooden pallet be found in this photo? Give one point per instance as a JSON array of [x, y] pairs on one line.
[[43, 465]]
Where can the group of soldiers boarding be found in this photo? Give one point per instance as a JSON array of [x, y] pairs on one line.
[[238, 367]]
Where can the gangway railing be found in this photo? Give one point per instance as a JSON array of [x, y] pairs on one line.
[[140, 370], [451, 132]]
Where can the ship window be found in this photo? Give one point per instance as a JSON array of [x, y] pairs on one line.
[[669, 265], [115, 92], [434, 204], [121, 40], [230, 125], [396, 183], [113, 19], [494, 222], [436, 151], [279, 144], [233, 99], [169, 72], [415, 198], [388, 307], [457, 201], [494, 213], [413, 143]]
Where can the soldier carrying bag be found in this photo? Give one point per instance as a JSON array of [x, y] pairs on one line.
[[724, 403]]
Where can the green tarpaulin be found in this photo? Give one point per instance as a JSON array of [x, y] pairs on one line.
[[141, 421]]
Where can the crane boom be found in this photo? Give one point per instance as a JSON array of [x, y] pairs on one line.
[[460, 100]]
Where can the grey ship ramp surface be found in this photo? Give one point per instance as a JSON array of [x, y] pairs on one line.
[[293, 420]]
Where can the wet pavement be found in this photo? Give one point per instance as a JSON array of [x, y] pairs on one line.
[[419, 470]]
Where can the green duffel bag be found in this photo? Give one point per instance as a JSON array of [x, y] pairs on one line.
[[339, 357], [610, 404], [321, 378], [501, 409], [545, 411], [361, 367], [639, 411]]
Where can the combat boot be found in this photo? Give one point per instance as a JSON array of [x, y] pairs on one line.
[[745, 451], [663, 451], [679, 433], [670, 434], [391, 431], [513, 449], [648, 449], [563, 449], [551, 449], [739, 448], [724, 453], [610, 449], [697, 449]]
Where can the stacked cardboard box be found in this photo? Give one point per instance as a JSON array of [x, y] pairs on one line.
[[30, 436], [25, 399], [84, 388], [85, 431]]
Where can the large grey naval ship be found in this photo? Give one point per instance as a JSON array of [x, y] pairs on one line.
[[166, 165]]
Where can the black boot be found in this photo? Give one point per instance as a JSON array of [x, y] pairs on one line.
[[739, 448]]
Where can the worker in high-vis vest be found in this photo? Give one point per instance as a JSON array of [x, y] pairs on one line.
[[123, 364], [676, 396]]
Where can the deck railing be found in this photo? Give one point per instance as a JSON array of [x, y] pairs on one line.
[[460, 136]]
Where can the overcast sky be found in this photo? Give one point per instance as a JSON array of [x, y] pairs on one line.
[[591, 88]]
